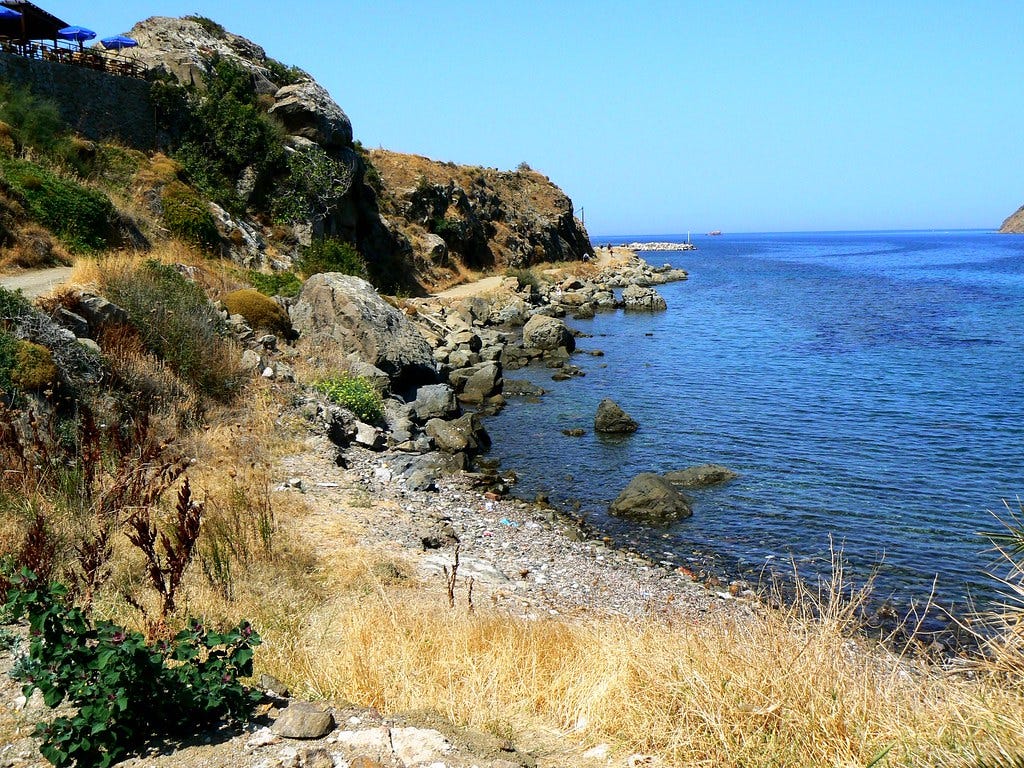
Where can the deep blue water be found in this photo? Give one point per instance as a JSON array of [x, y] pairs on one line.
[[869, 387]]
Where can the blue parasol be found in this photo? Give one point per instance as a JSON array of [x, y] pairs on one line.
[[9, 13], [78, 34], [117, 42]]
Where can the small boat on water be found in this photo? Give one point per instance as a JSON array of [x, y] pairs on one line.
[[715, 232]]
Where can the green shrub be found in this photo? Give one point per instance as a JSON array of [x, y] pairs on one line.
[[283, 74], [224, 132], [276, 283], [8, 356], [34, 123], [179, 325], [81, 217], [259, 311], [353, 392], [313, 187], [34, 368], [188, 216], [330, 254], [124, 691], [526, 278], [211, 26]]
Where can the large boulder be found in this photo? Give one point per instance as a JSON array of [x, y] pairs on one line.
[[347, 311], [700, 476], [480, 382], [434, 401], [639, 298], [465, 434], [306, 109], [547, 333], [611, 419], [650, 498]]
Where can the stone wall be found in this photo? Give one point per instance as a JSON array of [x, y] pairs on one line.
[[95, 104]]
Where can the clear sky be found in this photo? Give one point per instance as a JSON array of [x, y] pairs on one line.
[[661, 117]]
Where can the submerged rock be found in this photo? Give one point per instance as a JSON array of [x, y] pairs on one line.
[[700, 476], [650, 498]]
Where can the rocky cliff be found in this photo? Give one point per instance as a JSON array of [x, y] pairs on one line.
[[454, 215], [406, 214], [1014, 223]]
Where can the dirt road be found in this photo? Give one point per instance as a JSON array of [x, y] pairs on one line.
[[37, 282]]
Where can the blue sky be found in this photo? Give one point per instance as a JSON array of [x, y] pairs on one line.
[[660, 117]]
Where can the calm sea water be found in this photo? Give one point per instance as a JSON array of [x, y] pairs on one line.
[[869, 387]]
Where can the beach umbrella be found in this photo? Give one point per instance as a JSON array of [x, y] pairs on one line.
[[117, 42], [9, 13], [76, 34]]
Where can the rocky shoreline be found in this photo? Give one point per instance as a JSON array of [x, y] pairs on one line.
[[428, 453]]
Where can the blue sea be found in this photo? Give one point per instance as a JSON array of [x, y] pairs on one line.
[[867, 386]]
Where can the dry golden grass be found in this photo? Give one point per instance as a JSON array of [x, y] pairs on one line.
[[774, 688]]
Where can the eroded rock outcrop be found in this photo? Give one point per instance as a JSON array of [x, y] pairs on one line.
[[344, 310]]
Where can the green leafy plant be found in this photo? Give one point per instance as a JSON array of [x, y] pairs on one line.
[[329, 254], [225, 133], [276, 283], [353, 392], [33, 123], [126, 692], [187, 215], [282, 74], [211, 26], [313, 187], [81, 217]]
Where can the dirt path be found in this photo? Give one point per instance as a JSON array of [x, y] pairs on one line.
[[605, 257], [36, 282]]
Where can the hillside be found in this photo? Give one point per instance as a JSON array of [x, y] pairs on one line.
[[1014, 223], [264, 169]]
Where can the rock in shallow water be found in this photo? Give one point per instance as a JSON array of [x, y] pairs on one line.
[[611, 419], [650, 498]]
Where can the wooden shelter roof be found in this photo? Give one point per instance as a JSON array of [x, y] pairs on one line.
[[34, 24]]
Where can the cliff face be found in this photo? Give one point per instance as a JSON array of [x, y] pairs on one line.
[[404, 212], [274, 156], [477, 217], [1014, 223]]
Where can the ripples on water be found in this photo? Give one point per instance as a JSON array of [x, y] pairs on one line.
[[868, 386]]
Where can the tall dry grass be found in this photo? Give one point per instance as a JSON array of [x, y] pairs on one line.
[[769, 687]]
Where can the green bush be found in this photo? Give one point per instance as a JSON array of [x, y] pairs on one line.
[[179, 325], [276, 283], [124, 691], [81, 217], [211, 26], [34, 368], [35, 123], [313, 187], [188, 216], [226, 133], [8, 356], [353, 392], [330, 254], [282, 74]]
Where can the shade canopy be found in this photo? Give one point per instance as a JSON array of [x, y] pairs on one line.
[[8, 13], [117, 42], [78, 34], [34, 23]]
